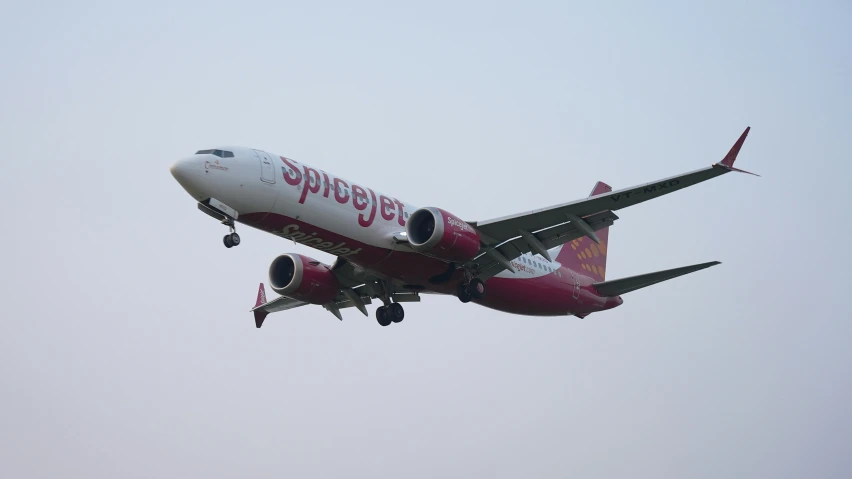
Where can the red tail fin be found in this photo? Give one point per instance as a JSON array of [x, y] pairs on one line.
[[582, 254]]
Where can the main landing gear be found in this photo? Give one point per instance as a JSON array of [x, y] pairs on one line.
[[475, 289], [231, 239], [392, 313]]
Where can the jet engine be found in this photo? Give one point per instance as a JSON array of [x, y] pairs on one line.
[[439, 233], [303, 278]]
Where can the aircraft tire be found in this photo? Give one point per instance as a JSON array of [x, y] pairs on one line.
[[227, 241], [396, 312], [235, 239], [382, 316], [476, 288], [463, 294]]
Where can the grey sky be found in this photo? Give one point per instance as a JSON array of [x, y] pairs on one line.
[[126, 346]]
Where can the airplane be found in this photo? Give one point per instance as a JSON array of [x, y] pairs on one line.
[[545, 262]]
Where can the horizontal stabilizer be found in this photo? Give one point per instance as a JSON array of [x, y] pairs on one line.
[[632, 283]]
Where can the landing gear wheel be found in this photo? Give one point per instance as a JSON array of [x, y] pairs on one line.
[[382, 316], [232, 238], [463, 294], [476, 288], [395, 312]]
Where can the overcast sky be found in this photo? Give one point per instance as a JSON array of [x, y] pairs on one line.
[[126, 345]]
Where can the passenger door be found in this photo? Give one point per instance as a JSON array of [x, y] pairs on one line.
[[267, 171]]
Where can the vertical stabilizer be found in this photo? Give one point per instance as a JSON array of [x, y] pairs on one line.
[[582, 254]]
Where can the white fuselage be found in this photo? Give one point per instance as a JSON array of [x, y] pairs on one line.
[[310, 206]]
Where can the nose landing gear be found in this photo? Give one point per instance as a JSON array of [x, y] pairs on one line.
[[226, 215], [231, 239]]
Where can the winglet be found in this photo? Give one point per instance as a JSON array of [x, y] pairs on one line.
[[600, 188], [728, 161], [261, 296], [259, 314], [735, 150]]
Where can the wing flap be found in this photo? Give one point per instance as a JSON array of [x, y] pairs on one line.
[[632, 283], [281, 303], [549, 237]]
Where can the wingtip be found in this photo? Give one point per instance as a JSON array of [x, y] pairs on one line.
[[259, 317], [729, 159], [731, 168], [600, 188]]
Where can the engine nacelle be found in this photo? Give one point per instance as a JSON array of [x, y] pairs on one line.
[[303, 278], [441, 234]]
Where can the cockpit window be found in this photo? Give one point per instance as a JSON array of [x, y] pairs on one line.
[[219, 153]]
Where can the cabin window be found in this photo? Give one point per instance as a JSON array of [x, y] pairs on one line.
[[293, 173]]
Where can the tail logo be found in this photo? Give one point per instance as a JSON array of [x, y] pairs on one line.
[[585, 255]]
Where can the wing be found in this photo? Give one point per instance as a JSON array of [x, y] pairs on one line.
[[632, 283], [504, 239], [263, 308], [358, 287]]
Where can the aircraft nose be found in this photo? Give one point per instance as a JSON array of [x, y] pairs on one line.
[[189, 173], [181, 170]]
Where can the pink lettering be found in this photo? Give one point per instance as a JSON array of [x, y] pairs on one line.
[[325, 183], [359, 200], [365, 222], [310, 174], [311, 180], [400, 214], [344, 198], [291, 170], [387, 203]]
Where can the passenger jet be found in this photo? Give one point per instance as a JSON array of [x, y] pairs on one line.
[[545, 262]]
